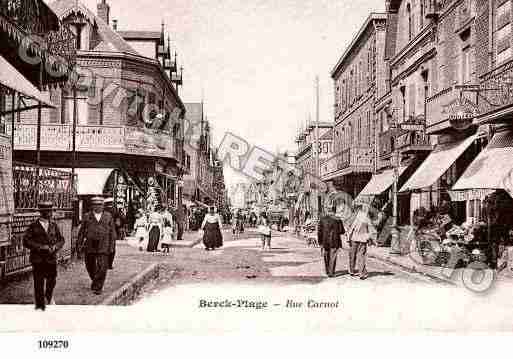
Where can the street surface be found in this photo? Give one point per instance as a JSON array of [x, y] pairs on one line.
[[239, 287]]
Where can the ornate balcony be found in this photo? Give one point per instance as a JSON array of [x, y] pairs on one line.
[[496, 92], [352, 160], [406, 139], [413, 142], [100, 139]]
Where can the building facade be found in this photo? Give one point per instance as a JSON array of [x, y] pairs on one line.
[[310, 192], [37, 54], [120, 125], [359, 80]]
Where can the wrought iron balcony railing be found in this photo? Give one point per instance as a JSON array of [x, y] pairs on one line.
[[34, 24], [357, 159], [103, 139]]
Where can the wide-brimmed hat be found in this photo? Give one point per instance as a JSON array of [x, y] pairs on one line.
[[45, 206], [97, 200]]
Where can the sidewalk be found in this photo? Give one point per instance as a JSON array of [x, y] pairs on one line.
[[73, 283]]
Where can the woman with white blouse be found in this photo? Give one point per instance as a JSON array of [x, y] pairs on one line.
[[211, 226]]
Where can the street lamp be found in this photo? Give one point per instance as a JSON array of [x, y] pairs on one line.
[[395, 244]]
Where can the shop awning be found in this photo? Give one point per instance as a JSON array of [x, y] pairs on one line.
[[380, 182], [11, 78], [491, 170], [90, 181], [436, 164]]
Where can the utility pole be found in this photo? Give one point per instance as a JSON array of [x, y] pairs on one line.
[[395, 245], [316, 147]]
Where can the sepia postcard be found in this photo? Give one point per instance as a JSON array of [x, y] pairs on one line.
[[224, 166]]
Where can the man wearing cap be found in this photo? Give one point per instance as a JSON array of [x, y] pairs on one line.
[[96, 235], [44, 239]]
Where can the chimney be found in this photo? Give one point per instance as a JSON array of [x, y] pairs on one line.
[[115, 24], [103, 10]]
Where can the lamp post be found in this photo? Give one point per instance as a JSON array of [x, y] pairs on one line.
[[395, 244]]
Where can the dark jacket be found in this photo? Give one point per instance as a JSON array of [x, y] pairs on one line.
[[97, 237], [39, 242], [329, 231]]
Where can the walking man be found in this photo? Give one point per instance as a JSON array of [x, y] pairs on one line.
[[329, 233], [96, 235], [44, 239], [362, 232]]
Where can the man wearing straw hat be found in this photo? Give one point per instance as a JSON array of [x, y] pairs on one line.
[[96, 235], [44, 239]]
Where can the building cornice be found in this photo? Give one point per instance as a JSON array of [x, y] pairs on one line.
[[134, 58], [366, 25]]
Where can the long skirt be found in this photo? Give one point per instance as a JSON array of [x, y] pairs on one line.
[[154, 237], [212, 237]]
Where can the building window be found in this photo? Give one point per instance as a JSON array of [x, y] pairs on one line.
[[410, 22], [503, 32], [369, 138], [466, 65], [82, 110], [421, 20]]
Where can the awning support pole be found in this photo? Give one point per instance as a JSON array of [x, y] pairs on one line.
[[74, 137]]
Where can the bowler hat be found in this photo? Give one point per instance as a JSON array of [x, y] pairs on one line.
[[45, 206]]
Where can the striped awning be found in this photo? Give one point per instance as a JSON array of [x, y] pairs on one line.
[[491, 170], [12, 79], [380, 182], [436, 164]]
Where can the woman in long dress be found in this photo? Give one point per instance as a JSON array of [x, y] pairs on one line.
[[156, 225], [141, 230], [211, 226]]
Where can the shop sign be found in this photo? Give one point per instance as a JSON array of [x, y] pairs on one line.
[[460, 113], [417, 124]]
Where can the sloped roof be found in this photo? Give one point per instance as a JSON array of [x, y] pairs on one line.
[[148, 35], [111, 40], [328, 135]]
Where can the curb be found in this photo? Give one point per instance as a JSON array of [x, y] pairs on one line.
[[125, 294], [411, 269]]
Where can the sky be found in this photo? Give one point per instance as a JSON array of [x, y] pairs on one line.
[[253, 62]]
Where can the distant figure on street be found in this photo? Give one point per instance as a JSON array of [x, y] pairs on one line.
[[44, 239], [180, 219], [362, 232], [329, 234], [96, 236], [169, 228], [156, 227], [141, 230], [212, 237], [264, 228]]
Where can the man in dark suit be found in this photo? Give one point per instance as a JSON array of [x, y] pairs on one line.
[[96, 235], [329, 234], [44, 239]]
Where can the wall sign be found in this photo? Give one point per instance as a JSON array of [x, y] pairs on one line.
[[460, 113]]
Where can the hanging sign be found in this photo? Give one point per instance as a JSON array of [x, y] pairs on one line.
[[460, 113]]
